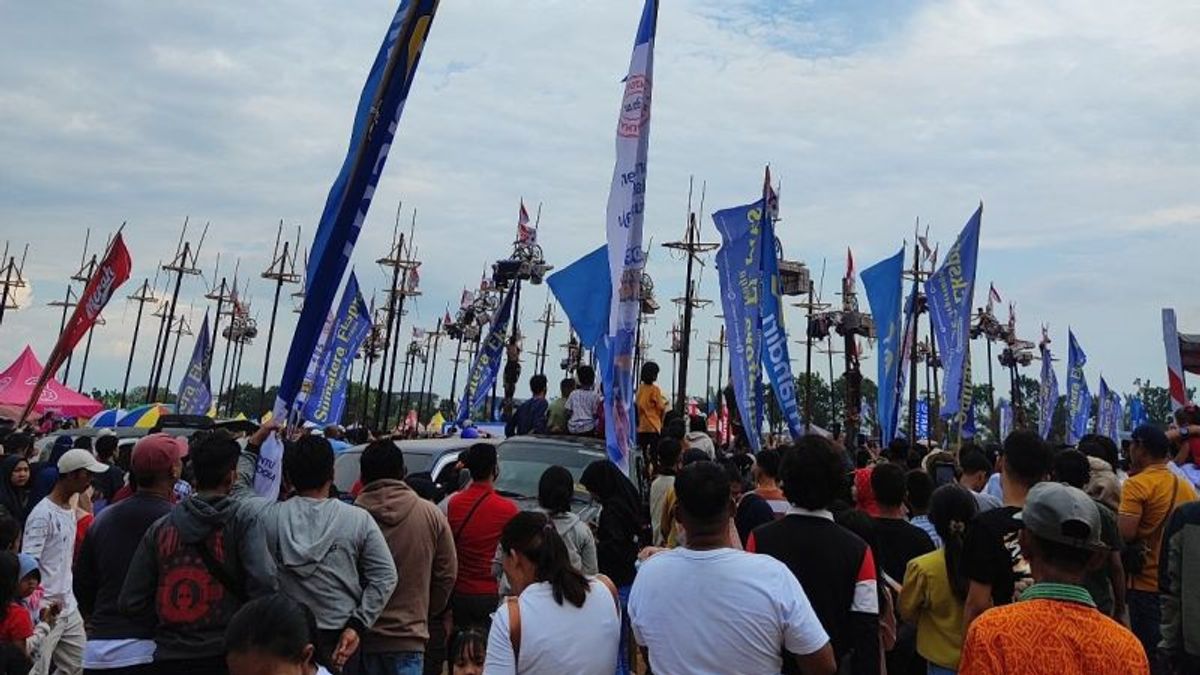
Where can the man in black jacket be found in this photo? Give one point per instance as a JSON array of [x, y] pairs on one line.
[[834, 566], [118, 643]]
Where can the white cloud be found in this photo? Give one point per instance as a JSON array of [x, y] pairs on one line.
[[1074, 122]]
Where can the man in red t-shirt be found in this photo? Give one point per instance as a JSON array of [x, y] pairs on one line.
[[477, 515]]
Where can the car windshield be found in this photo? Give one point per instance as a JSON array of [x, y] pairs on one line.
[[522, 465]]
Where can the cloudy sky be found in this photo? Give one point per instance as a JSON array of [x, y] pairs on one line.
[[1074, 122]]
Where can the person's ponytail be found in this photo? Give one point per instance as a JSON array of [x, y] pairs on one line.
[[951, 509], [533, 535]]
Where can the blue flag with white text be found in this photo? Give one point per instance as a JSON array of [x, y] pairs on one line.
[[623, 231], [885, 290], [1006, 419], [195, 391], [950, 292], [487, 361], [738, 265], [326, 402], [775, 358], [1079, 399], [379, 109]]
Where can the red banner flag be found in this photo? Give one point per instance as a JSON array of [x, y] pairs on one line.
[[106, 279]]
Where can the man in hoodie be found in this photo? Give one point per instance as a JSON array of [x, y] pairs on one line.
[[194, 568], [331, 556], [697, 436], [118, 643], [423, 549]]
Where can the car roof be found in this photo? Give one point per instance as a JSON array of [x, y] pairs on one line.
[[428, 446]]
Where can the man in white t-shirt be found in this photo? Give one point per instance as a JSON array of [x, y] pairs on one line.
[[50, 538], [751, 608]]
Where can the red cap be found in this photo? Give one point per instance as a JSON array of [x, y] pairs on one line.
[[157, 454]]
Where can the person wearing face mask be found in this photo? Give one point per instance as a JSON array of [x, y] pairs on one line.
[[273, 634], [558, 620]]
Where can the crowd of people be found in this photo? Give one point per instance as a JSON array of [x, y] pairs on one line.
[[802, 558]]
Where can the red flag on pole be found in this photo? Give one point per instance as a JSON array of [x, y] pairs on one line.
[[106, 279], [525, 233]]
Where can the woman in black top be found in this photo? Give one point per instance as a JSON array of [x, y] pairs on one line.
[[621, 520]]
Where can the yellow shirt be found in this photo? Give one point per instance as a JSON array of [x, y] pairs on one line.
[[651, 406], [928, 601], [1147, 496]]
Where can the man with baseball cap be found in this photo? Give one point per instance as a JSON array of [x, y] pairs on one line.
[[50, 537], [117, 641], [1055, 627]]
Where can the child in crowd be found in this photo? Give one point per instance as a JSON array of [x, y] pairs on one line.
[[468, 652]]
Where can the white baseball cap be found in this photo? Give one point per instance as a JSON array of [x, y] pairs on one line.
[[74, 460]]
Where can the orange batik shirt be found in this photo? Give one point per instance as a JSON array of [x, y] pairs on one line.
[[1054, 629]]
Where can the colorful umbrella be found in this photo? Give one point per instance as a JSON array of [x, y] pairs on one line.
[[105, 418], [143, 416]]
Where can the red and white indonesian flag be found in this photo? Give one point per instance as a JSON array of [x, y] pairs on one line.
[[106, 279], [526, 234], [850, 273], [993, 296], [467, 298], [1175, 381], [413, 280]]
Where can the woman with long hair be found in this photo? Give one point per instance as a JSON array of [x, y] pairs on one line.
[[14, 487], [273, 634], [935, 585], [558, 620], [617, 532]]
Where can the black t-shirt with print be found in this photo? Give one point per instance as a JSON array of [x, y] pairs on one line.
[[992, 553]]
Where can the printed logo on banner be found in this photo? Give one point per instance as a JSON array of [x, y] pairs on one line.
[[635, 109]]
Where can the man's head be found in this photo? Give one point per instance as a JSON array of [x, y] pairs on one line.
[[649, 372], [75, 469], [1071, 467], [1027, 458], [703, 500], [214, 463], [918, 488], [1101, 447], [669, 452], [812, 473], [1060, 532], [157, 461], [333, 431], [766, 465], [888, 483], [538, 384], [586, 375], [897, 451], [106, 447], [481, 461], [18, 443], [975, 468], [566, 386], [1148, 445], [697, 423], [381, 460], [308, 463]]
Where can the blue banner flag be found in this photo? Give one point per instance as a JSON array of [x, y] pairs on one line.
[[1117, 420], [1108, 414], [775, 357], [1047, 393], [950, 292], [624, 218], [1006, 419], [583, 291], [1079, 399], [379, 109], [487, 361], [738, 265], [885, 290], [922, 419], [195, 391], [326, 402]]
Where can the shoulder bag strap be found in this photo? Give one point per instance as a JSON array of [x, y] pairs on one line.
[[218, 571], [514, 627], [612, 588], [463, 525]]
